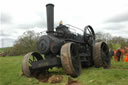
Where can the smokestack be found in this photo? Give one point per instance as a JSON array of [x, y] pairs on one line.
[[50, 18]]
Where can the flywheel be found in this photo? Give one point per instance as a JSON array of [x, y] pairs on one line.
[[70, 59]]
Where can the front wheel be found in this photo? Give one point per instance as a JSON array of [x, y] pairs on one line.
[[27, 61]]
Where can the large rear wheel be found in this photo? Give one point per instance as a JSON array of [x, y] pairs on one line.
[[101, 56], [70, 59]]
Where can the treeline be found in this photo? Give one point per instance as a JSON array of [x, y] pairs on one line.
[[113, 42], [28, 42]]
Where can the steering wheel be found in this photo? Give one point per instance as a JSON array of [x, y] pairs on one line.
[[89, 35]]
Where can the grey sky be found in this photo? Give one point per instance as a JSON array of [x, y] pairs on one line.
[[18, 16], [120, 18], [5, 18]]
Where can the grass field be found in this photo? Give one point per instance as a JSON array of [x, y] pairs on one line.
[[10, 74]]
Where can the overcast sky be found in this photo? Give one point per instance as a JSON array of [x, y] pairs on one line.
[[18, 16]]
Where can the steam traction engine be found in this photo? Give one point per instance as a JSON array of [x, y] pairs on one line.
[[63, 48]]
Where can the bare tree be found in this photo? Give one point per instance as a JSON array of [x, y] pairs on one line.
[[103, 36]]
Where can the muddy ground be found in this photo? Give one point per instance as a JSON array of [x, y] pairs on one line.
[[57, 79], [53, 79]]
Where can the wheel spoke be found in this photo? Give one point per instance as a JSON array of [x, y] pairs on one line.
[[34, 59], [30, 61]]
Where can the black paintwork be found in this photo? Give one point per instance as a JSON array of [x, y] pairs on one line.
[[50, 44]]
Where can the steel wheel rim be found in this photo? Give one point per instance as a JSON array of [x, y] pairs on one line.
[[101, 55], [67, 60], [27, 62]]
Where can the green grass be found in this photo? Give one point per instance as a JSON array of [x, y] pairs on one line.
[[115, 46], [4, 49], [10, 74]]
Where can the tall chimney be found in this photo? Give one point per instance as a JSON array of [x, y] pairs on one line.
[[50, 18]]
